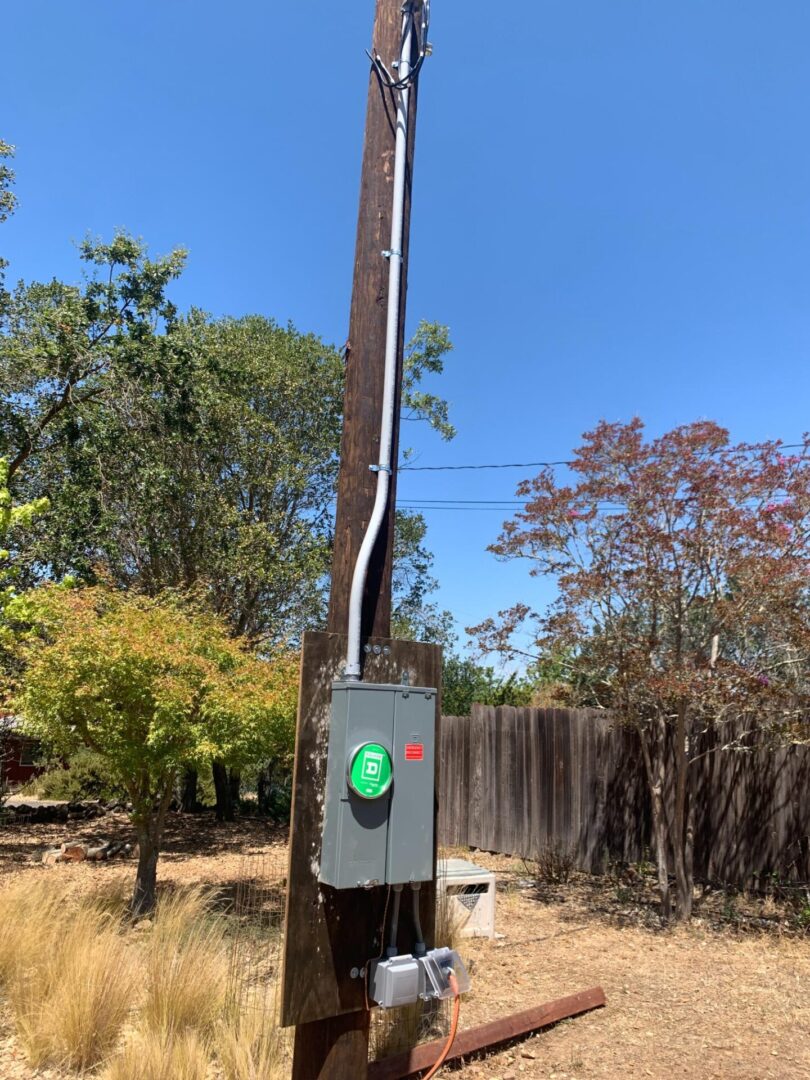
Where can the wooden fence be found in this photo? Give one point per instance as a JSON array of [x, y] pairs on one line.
[[524, 781]]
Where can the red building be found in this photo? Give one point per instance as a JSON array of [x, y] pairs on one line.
[[18, 754]]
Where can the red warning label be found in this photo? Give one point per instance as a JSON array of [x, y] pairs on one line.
[[414, 751]]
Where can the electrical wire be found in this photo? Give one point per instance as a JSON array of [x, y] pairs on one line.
[[420, 30], [382, 949], [556, 464], [612, 509], [465, 468], [451, 1038], [419, 944]]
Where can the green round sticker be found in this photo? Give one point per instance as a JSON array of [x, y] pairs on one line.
[[370, 771]]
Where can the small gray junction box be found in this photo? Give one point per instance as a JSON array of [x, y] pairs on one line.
[[380, 788]]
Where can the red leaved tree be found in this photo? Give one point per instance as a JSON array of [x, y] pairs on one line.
[[683, 573]]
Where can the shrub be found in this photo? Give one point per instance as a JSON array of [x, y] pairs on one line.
[[86, 776], [555, 863]]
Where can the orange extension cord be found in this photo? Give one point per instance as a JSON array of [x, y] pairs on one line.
[[453, 1028]]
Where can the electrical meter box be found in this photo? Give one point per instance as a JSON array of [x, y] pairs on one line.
[[380, 789]]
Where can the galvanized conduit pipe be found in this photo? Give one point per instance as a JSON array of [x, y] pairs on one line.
[[383, 467]]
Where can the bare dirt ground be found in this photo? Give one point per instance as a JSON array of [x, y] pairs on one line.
[[729, 997]]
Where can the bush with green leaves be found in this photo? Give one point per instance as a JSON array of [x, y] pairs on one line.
[[85, 775], [151, 687]]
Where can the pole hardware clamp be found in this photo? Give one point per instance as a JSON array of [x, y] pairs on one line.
[[391, 254], [380, 468]]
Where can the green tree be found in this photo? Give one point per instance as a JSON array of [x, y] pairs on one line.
[[414, 615], [11, 518], [64, 347], [12, 602], [466, 683], [424, 356], [150, 687], [8, 202], [213, 470]]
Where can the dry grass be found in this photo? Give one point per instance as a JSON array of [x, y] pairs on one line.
[[69, 979], [28, 913], [187, 966], [93, 997], [152, 1055], [251, 1046], [700, 1003], [191, 993], [195, 984]]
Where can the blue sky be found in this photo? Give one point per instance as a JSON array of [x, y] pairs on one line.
[[611, 210]]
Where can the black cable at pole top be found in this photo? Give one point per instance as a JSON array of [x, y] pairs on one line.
[[420, 27]]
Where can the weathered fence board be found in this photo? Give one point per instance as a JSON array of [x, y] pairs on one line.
[[522, 781]]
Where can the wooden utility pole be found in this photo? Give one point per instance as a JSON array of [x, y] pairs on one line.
[[365, 350], [328, 933]]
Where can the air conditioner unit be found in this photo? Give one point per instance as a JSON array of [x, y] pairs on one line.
[[469, 893]]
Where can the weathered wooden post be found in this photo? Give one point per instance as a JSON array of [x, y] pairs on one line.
[[330, 933]]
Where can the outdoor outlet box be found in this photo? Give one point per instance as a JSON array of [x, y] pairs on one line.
[[403, 980], [395, 982], [380, 789]]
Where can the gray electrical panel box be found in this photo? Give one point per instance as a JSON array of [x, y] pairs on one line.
[[380, 787]]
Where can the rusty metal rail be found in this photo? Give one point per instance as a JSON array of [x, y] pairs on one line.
[[485, 1036]]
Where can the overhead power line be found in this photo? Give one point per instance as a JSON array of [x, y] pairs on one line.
[[459, 468], [555, 464]]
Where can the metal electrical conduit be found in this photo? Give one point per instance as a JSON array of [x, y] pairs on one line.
[[394, 256]]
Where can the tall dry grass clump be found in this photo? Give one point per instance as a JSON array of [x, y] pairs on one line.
[[94, 992], [193, 991], [29, 915], [69, 976], [250, 1046], [151, 1055], [186, 966]]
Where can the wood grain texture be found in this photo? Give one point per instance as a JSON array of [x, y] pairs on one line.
[[332, 1049], [329, 932], [488, 1035], [523, 781], [365, 352]]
